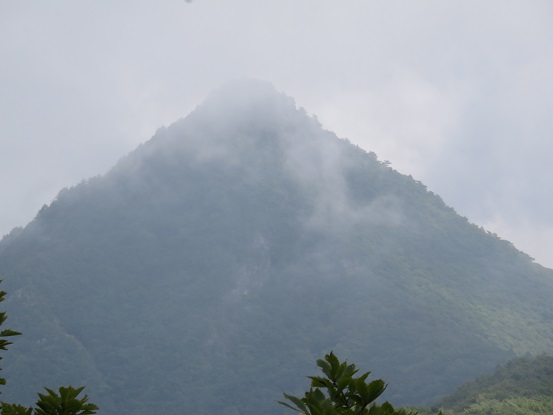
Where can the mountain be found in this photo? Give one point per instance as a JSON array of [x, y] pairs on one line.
[[210, 268]]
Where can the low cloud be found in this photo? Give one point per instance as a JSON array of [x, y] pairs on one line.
[[456, 96]]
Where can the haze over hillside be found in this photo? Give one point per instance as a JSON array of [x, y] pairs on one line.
[[211, 266], [456, 95]]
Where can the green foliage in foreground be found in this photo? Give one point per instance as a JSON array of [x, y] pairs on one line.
[[52, 403], [64, 403], [339, 392], [5, 333], [524, 386]]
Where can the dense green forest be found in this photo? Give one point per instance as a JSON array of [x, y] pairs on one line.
[[210, 267], [524, 386]]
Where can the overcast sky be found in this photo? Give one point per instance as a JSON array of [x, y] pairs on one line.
[[458, 94]]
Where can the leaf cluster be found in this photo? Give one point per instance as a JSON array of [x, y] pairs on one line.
[[4, 333], [52, 403], [340, 392]]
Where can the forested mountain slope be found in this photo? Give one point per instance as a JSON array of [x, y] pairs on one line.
[[212, 266], [524, 386]]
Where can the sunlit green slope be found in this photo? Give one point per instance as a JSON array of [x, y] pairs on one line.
[[524, 386]]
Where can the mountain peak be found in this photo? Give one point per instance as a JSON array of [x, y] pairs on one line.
[[250, 101], [246, 91]]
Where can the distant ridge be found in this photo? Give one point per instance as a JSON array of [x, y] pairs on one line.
[[212, 266]]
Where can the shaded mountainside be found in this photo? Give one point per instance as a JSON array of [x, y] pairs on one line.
[[211, 266]]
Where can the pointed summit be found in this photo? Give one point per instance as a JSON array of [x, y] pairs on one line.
[[247, 94], [247, 103]]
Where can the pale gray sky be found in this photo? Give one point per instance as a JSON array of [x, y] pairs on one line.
[[459, 93]]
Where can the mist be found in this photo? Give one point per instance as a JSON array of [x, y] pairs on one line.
[[456, 94]]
